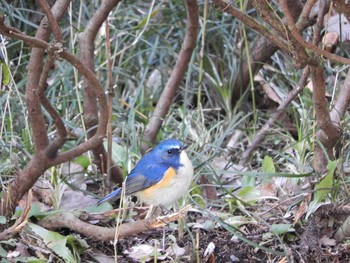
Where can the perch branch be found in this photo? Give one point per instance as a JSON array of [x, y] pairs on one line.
[[70, 221], [176, 76]]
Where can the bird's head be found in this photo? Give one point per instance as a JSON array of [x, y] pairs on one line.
[[169, 152]]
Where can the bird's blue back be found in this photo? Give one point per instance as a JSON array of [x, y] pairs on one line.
[[150, 169]]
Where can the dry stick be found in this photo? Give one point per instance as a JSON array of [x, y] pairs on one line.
[[176, 76], [72, 222], [260, 135], [20, 222], [91, 116]]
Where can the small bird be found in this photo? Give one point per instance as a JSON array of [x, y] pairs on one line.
[[161, 177]]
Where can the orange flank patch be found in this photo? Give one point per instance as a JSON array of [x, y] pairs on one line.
[[169, 175]]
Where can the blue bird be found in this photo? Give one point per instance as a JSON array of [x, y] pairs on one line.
[[161, 177]]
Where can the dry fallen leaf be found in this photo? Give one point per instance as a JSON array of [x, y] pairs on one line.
[[326, 241], [302, 208]]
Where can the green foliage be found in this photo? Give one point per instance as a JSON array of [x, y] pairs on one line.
[[280, 229], [323, 188], [267, 165], [66, 247], [5, 73]]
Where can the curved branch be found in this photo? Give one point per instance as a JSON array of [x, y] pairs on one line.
[[51, 20], [70, 221], [86, 43], [305, 13], [57, 143], [176, 76], [25, 179], [87, 73]]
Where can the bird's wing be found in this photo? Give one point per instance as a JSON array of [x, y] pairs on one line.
[[150, 175], [144, 175], [134, 182]]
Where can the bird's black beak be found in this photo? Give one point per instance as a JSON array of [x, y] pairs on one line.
[[184, 147]]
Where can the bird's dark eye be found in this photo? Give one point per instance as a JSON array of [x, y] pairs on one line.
[[170, 151]]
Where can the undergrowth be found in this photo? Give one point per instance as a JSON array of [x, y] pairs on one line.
[[143, 55]]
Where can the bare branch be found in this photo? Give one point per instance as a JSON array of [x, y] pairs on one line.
[[68, 220], [295, 33], [320, 103], [53, 147], [329, 136], [261, 51], [227, 7], [52, 21], [176, 76], [305, 14], [86, 42]]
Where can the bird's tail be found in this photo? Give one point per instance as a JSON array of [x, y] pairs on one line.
[[115, 195]]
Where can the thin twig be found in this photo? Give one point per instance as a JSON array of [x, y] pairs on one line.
[[262, 132]]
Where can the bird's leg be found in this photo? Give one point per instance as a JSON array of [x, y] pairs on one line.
[[150, 211], [153, 211], [181, 222]]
